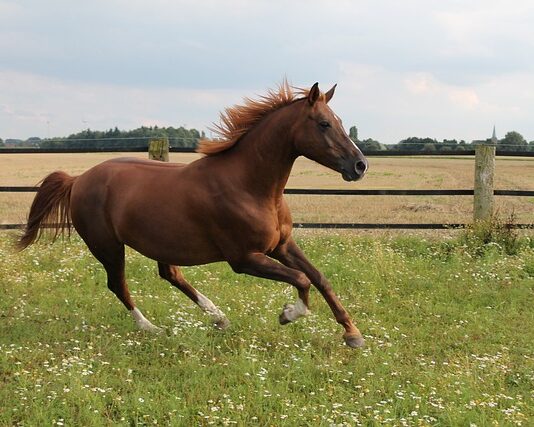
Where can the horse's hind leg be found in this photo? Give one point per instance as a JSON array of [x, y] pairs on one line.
[[172, 274], [117, 285], [111, 254]]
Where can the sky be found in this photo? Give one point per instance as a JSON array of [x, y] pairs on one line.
[[439, 69]]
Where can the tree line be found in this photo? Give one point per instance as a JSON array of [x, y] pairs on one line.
[[188, 138], [512, 141], [114, 138]]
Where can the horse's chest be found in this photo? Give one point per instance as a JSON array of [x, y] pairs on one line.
[[251, 224], [261, 226]]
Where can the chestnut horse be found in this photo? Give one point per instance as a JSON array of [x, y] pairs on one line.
[[226, 206]]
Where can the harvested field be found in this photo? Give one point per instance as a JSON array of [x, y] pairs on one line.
[[385, 173]]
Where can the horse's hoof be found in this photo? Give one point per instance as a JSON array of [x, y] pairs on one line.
[[287, 315], [151, 329], [292, 312], [283, 319], [355, 341], [222, 324]]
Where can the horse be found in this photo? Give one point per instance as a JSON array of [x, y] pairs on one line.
[[226, 206]]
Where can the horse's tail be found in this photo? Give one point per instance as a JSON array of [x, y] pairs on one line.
[[50, 209]]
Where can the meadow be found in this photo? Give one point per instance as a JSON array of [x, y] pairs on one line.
[[448, 325], [447, 317]]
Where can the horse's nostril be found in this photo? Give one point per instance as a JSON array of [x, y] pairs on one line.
[[360, 167]]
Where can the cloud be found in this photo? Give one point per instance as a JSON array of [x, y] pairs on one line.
[[50, 106], [414, 67], [424, 85], [389, 106]]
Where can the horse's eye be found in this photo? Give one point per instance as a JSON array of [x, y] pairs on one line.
[[324, 124]]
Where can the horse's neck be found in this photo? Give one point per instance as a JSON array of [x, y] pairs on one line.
[[266, 155]]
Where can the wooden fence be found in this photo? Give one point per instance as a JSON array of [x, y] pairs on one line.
[[483, 191]]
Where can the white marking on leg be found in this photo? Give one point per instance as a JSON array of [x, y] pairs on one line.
[[142, 322], [293, 311], [218, 317]]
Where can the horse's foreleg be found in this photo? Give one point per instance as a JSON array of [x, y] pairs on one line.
[[172, 274], [291, 255], [292, 312], [260, 265]]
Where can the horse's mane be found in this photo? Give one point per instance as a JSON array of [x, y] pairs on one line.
[[238, 120]]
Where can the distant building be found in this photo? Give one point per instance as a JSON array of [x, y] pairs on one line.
[[11, 142], [34, 141], [492, 141], [494, 136]]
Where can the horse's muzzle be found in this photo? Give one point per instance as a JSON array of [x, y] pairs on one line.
[[354, 170]]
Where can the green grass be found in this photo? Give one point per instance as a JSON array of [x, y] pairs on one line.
[[450, 340]]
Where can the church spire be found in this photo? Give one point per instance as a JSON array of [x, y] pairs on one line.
[[494, 136]]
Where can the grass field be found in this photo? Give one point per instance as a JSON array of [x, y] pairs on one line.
[[385, 173], [449, 330]]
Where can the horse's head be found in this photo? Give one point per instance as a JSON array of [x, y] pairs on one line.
[[319, 135]]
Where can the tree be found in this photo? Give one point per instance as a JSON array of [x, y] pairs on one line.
[[415, 144], [430, 148], [353, 133], [2, 143], [370, 144], [513, 141], [33, 141]]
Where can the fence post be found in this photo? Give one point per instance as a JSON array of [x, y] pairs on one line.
[[484, 172], [158, 149]]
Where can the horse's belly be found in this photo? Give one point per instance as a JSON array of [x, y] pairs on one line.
[[182, 256], [187, 244], [179, 253]]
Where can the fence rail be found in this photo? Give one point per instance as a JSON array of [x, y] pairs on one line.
[[143, 149], [346, 192], [342, 192]]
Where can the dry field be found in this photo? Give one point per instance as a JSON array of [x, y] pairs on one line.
[[384, 173]]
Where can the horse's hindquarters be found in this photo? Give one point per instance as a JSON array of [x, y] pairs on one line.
[[145, 207]]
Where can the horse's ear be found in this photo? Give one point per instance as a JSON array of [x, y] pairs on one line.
[[314, 93], [328, 95]]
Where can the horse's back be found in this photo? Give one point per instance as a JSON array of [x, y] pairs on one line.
[[144, 162], [132, 168], [124, 184], [120, 177]]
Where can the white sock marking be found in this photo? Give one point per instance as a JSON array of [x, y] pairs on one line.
[[205, 304], [294, 311], [142, 322]]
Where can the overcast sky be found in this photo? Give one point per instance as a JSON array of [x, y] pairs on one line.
[[443, 69]]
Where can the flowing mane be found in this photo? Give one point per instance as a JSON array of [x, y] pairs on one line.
[[238, 120]]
